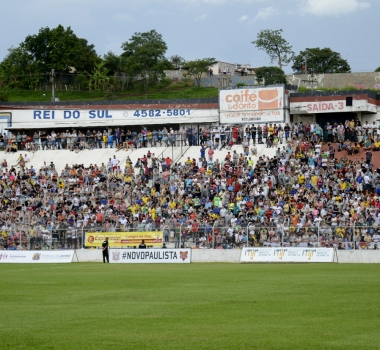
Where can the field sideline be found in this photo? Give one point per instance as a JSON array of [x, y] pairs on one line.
[[194, 306]]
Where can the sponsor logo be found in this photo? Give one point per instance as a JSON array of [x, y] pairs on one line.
[[280, 253], [309, 253], [251, 253], [3, 256], [183, 255], [36, 256], [90, 239], [291, 254], [268, 99], [258, 99], [115, 256]]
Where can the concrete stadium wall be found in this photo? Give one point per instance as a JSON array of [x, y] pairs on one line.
[[197, 255], [217, 255], [88, 255], [362, 81], [358, 256], [227, 81], [233, 256]]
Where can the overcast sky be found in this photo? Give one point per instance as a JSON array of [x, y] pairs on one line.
[[223, 29]]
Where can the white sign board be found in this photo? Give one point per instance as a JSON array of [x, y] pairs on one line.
[[36, 256], [150, 256], [332, 107], [62, 118], [289, 254], [253, 105]]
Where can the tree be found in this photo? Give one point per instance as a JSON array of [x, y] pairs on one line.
[[177, 61], [60, 48], [198, 67], [115, 65], [320, 61], [99, 77], [88, 57], [270, 76], [57, 48], [377, 69], [145, 58], [19, 69], [276, 47]]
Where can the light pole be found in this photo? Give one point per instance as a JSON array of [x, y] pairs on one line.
[[52, 85], [213, 234]]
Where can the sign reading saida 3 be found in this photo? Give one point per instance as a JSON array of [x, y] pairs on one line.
[[124, 239], [253, 105]]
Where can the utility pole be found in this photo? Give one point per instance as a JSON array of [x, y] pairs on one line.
[[311, 72], [52, 85]]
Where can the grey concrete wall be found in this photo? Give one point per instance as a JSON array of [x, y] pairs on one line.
[[340, 80], [215, 255], [175, 74], [221, 81], [369, 80], [227, 81], [358, 256]]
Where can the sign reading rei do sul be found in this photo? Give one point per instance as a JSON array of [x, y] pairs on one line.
[[253, 105]]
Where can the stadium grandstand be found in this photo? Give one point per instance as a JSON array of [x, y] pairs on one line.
[[296, 182]]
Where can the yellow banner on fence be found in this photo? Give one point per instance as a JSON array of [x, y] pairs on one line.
[[124, 239]]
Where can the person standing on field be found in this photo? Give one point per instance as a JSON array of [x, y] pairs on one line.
[[142, 245], [105, 251]]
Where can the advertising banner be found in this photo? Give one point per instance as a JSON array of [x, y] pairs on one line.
[[253, 105], [68, 118], [288, 254], [335, 106], [124, 239], [150, 256], [36, 256]]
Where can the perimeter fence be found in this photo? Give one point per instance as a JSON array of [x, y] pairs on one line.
[[191, 235]]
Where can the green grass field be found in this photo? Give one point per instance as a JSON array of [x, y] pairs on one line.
[[195, 306], [177, 90]]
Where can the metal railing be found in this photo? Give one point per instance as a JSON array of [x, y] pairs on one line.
[[202, 235], [200, 134]]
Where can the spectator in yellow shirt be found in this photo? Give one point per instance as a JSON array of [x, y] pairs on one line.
[[314, 181], [356, 148], [376, 145]]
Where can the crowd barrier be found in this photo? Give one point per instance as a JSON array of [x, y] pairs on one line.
[[36, 257], [290, 254], [153, 256], [198, 135], [246, 255]]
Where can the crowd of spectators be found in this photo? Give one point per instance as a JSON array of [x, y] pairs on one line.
[[351, 136], [311, 193]]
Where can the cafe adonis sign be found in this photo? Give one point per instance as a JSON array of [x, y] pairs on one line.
[[253, 105]]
